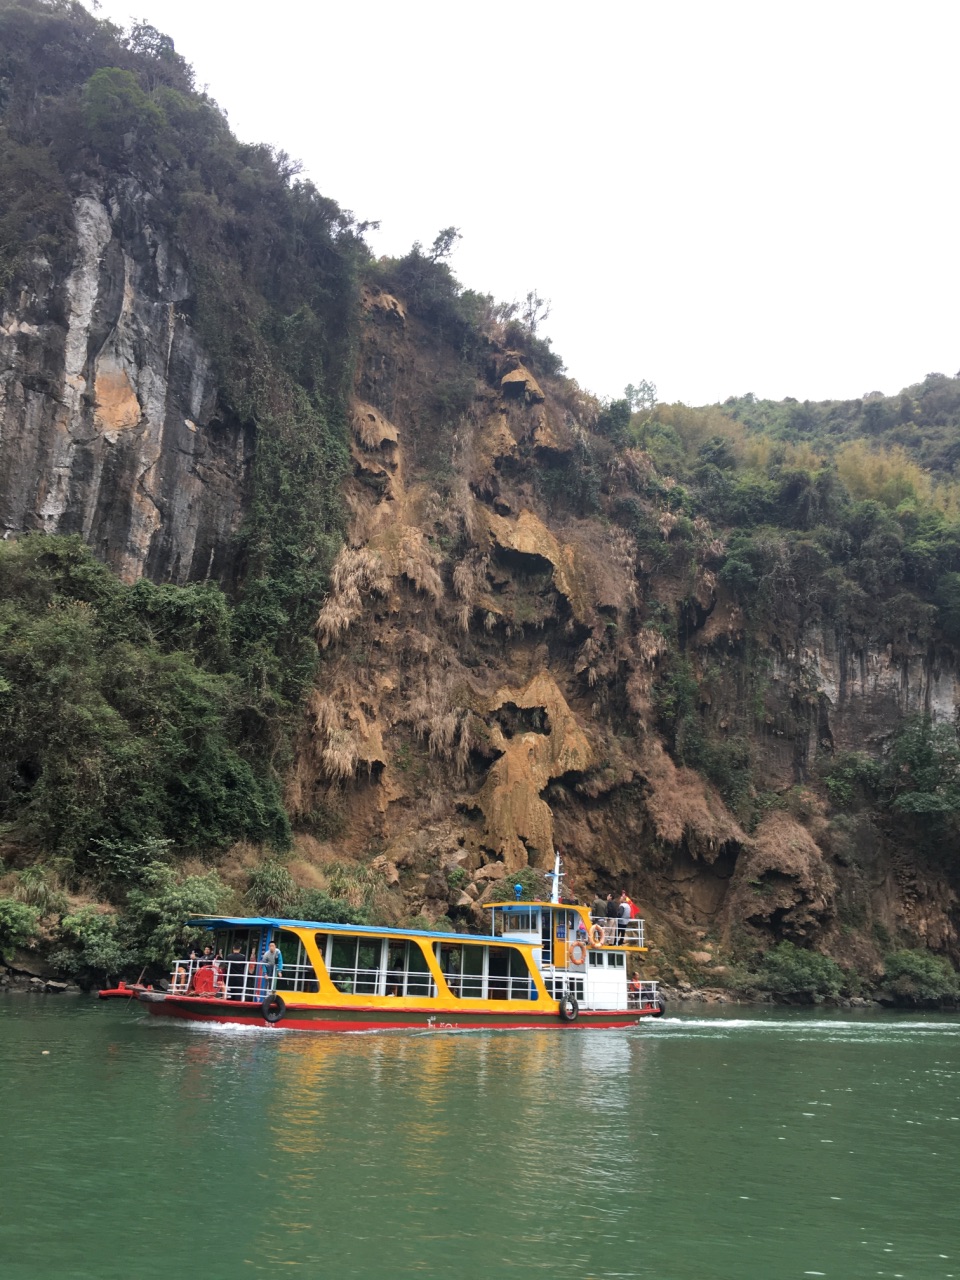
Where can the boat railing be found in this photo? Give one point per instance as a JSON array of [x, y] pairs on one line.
[[637, 995], [358, 981], [400, 982], [642, 995], [620, 933], [249, 980], [560, 983]]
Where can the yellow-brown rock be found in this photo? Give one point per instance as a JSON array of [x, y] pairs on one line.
[[520, 381], [519, 823], [530, 536]]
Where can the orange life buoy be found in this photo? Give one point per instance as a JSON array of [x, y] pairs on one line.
[[596, 936], [578, 953]]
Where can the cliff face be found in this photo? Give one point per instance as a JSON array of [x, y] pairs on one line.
[[491, 669], [109, 424], [491, 647]]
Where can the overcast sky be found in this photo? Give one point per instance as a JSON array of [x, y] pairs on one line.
[[718, 197]]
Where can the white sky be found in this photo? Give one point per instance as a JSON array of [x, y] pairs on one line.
[[718, 196]]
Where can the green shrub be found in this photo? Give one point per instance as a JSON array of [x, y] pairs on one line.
[[18, 925], [789, 970], [272, 890], [148, 932], [111, 734], [849, 774], [314, 904], [91, 944], [156, 910], [535, 885], [38, 887], [918, 977]]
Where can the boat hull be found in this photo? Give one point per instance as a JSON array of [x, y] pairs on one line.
[[315, 1017]]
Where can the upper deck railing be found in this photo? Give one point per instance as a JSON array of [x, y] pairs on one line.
[[620, 933]]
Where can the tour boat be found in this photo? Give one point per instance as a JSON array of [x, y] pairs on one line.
[[543, 964]]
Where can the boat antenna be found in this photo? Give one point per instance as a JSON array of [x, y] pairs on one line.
[[556, 875]]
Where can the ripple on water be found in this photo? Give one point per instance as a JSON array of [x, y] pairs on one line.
[[869, 1029]]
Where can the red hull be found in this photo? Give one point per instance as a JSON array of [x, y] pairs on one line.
[[122, 992], [314, 1018]]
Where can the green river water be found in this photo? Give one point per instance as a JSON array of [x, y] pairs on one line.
[[740, 1144]]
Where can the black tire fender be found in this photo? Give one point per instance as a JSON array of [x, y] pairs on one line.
[[661, 1004], [569, 1009], [274, 1007]]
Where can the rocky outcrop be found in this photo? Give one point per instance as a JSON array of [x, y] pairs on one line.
[[109, 422]]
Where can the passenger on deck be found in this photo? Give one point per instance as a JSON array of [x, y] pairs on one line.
[[272, 964], [599, 909], [613, 913], [235, 964], [633, 991], [624, 912], [206, 958]]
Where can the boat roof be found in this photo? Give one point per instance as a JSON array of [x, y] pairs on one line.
[[374, 930], [524, 904]]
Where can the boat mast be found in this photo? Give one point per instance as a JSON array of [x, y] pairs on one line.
[[557, 877]]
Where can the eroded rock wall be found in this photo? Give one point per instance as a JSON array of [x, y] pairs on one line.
[[490, 670], [109, 424]]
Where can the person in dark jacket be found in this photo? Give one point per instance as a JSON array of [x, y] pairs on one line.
[[235, 965]]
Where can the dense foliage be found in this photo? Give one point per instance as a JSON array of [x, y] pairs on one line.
[[121, 712], [788, 970], [917, 977]]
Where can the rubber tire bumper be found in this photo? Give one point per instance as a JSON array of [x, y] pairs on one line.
[[569, 1009], [274, 1007]]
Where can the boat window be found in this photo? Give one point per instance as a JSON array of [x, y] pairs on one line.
[[474, 971], [342, 964], [449, 959], [368, 966], [521, 921], [297, 973], [419, 979], [375, 966], [618, 959], [472, 980], [595, 957], [508, 975]]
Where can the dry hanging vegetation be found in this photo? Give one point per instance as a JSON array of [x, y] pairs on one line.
[[356, 571]]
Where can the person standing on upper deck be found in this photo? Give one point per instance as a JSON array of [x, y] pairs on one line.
[[625, 913]]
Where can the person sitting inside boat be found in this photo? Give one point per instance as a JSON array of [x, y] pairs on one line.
[[633, 991], [272, 964], [234, 965]]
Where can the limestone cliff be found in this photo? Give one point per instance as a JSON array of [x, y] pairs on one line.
[[109, 420], [524, 623], [489, 665]]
